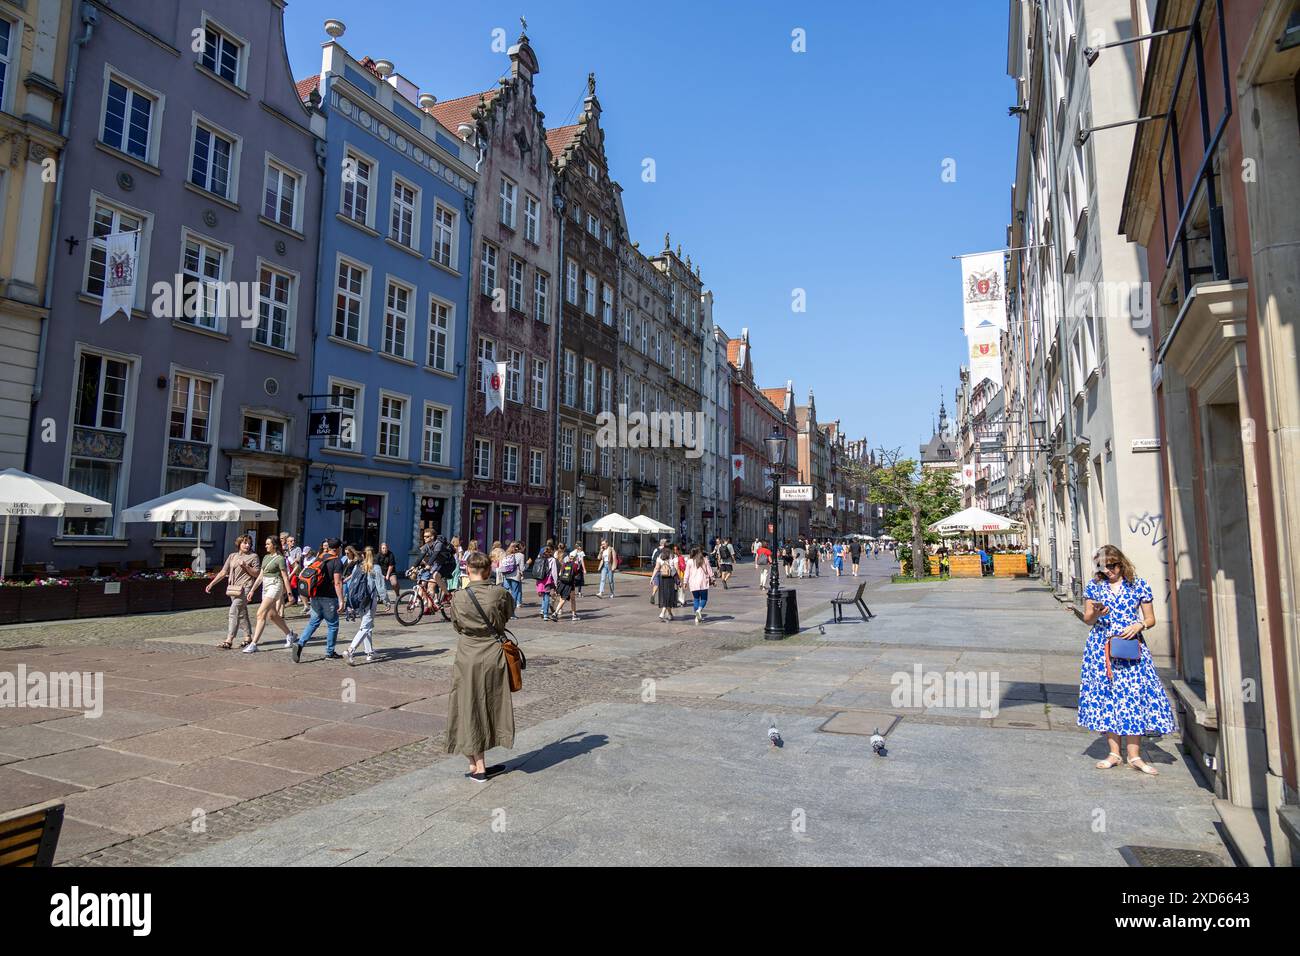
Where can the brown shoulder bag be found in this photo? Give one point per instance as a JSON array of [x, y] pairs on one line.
[[516, 662]]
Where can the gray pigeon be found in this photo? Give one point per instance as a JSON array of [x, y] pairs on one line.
[[878, 744], [774, 735]]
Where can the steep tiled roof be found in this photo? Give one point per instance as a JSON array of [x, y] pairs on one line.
[[560, 137], [733, 351], [451, 113], [775, 395], [306, 86]]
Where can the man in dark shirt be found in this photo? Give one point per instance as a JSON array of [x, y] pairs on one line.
[[325, 605], [387, 562], [855, 552], [434, 555]]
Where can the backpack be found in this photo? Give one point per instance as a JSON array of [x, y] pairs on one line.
[[358, 592], [568, 571], [538, 571], [313, 576]]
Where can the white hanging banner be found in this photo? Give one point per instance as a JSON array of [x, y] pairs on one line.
[[862, 507], [986, 356], [121, 262], [830, 499], [738, 467], [494, 384], [984, 298], [968, 476]]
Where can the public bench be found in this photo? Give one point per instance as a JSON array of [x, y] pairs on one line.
[[840, 600], [29, 836]]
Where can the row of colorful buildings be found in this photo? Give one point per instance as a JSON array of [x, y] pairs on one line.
[[290, 289], [1150, 396]]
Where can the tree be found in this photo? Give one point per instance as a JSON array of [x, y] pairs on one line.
[[920, 498]]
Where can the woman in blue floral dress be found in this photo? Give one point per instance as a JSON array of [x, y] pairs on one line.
[[1121, 698]]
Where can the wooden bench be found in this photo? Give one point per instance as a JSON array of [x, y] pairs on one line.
[[29, 837], [838, 602]]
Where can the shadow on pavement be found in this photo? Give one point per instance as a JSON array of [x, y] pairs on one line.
[[561, 750]]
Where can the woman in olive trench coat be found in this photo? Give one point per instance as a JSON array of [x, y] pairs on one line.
[[480, 713]]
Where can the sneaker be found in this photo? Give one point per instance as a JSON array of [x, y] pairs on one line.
[[297, 653], [347, 656], [573, 617], [250, 648], [478, 777], [370, 658], [333, 656], [290, 639]]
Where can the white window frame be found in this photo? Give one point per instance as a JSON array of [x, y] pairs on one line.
[[515, 375], [538, 385], [571, 280], [589, 292], [607, 304], [145, 231], [155, 114], [541, 296], [486, 348], [284, 171], [481, 462], [363, 315], [241, 67], [411, 296], [394, 206], [508, 194], [368, 219], [510, 463], [227, 258], [570, 382], [588, 386], [291, 317], [606, 389], [7, 59], [451, 232], [265, 419], [515, 288], [489, 267], [588, 452], [536, 467], [532, 218], [381, 421], [426, 430], [449, 334], [197, 122], [568, 436], [357, 414]]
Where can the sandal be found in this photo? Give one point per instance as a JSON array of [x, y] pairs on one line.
[[1114, 760], [1137, 763], [245, 643], [225, 645]]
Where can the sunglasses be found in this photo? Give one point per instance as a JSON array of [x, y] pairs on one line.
[[1110, 565]]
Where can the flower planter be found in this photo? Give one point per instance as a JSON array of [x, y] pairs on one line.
[[101, 598], [11, 600], [148, 595], [189, 595], [47, 603]]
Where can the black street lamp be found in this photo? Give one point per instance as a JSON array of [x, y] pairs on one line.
[[776, 445]]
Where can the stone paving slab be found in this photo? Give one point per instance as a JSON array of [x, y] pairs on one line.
[[113, 724], [231, 777], [302, 755], [265, 724], [135, 807], [186, 744], [34, 740], [92, 767], [18, 789]]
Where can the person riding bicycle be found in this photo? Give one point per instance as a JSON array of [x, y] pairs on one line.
[[435, 556]]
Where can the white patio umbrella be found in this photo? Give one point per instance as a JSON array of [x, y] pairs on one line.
[[201, 503], [612, 523], [24, 495], [977, 520], [647, 525]]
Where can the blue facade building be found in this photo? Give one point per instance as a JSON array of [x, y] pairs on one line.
[[392, 305]]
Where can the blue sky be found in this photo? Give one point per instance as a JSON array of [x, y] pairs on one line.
[[776, 170]]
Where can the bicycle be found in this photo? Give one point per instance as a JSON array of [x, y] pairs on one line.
[[413, 604]]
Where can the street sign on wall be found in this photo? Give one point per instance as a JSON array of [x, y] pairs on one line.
[[796, 492]]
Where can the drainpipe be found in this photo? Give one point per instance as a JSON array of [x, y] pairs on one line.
[[89, 18], [558, 204], [322, 147]]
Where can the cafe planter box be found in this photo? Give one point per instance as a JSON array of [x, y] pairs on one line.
[[148, 595], [101, 598], [189, 595], [11, 600], [47, 603]]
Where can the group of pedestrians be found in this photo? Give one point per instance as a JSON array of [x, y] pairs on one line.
[[678, 577]]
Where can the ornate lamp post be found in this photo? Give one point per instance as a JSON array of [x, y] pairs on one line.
[[776, 446]]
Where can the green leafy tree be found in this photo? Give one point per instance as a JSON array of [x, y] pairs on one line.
[[915, 499]]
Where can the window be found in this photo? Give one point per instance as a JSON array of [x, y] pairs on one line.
[[570, 378], [487, 352], [433, 451], [221, 54], [606, 387], [532, 219], [627, 326], [263, 434], [356, 188], [566, 447], [274, 309], [605, 471], [280, 195], [591, 170], [508, 192], [349, 302], [397, 319], [391, 412], [577, 213], [541, 296], [439, 335], [539, 384], [510, 464], [659, 347], [516, 291], [189, 434], [571, 281], [6, 33], [645, 336], [488, 269], [566, 515], [212, 160], [588, 386], [99, 402], [482, 458], [672, 359], [609, 238], [444, 236], [514, 375], [593, 225], [589, 292], [588, 453], [128, 119], [346, 399], [106, 221], [607, 304], [205, 264], [536, 467], [402, 222]]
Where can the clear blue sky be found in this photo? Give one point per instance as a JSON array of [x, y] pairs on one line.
[[776, 170]]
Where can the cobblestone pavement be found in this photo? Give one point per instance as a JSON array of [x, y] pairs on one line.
[[199, 748]]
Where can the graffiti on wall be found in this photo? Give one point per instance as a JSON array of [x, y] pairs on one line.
[[1151, 528]]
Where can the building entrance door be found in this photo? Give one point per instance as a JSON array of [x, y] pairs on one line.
[[361, 519]]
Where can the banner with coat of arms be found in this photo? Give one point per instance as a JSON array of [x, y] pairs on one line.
[[494, 384], [984, 295], [121, 263], [986, 356], [738, 467]]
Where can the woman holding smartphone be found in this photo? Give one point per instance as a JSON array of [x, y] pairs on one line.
[[1122, 698]]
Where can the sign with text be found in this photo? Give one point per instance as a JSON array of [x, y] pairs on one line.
[[325, 424], [796, 492]]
